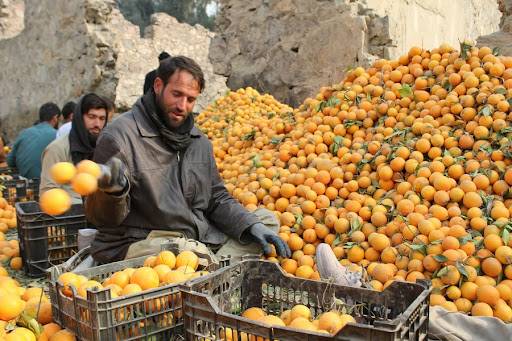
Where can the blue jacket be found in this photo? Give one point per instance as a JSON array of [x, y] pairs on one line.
[[27, 149]]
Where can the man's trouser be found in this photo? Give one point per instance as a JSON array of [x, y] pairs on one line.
[[153, 242]]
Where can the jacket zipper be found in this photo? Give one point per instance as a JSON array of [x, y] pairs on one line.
[[179, 171]]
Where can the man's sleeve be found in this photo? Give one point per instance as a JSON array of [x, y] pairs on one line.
[[48, 159], [224, 211], [103, 209]]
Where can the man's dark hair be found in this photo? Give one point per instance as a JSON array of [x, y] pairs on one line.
[[163, 55], [68, 109], [180, 63], [110, 104], [93, 101], [48, 111]]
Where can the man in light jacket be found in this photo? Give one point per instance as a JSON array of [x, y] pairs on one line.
[[89, 119]]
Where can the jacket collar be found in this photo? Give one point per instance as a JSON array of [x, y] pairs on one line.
[[146, 127]]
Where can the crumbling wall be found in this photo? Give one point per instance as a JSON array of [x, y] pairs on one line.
[[11, 18], [292, 47], [69, 48], [501, 39]]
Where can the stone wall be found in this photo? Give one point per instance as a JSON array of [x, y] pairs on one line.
[[501, 39], [50, 60], [137, 56], [89, 46], [291, 48], [11, 18], [430, 23]]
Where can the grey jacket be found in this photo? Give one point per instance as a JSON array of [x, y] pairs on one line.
[[195, 203]]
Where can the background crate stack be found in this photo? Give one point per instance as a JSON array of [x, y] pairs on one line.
[[47, 240], [16, 188], [398, 313], [149, 315]]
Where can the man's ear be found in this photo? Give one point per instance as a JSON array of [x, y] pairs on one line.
[[158, 85]]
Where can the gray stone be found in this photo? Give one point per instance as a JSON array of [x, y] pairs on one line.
[[11, 18], [291, 48], [501, 39], [89, 46]]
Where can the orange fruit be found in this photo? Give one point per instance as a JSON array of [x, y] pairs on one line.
[[82, 289], [304, 271], [84, 184], [173, 277], [300, 310], [68, 280], [145, 277], [63, 335], [16, 263], [481, 309], [330, 321], [131, 289], [62, 172], [488, 294], [33, 292], [120, 278], [271, 320], [11, 307], [149, 262], [188, 258], [491, 267], [253, 313], [55, 201], [302, 323], [20, 333], [89, 167], [41, 310], [161, 270], [51, 328], [166, 257]]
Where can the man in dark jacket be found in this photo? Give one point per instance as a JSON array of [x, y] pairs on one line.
[[163, 177], [151, 75]]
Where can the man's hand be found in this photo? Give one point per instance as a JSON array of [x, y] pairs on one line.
[[113, 178], [265, 237]]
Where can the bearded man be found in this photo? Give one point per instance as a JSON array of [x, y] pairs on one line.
[[163, 184]]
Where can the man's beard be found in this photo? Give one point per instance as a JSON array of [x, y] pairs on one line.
[[92, 138], [161, 110]]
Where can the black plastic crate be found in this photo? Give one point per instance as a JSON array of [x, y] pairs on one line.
[[16, 188], [154, 314], [47, 240], [8, 171], [213, 305]]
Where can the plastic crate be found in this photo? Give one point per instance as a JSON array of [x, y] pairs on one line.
[[47, 240], [150, 315], [8, 171], [213, 304], [17, 188]]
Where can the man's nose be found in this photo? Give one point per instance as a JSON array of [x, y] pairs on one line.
[[182, 102]]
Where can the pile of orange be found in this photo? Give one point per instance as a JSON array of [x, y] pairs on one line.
[[21, 305], [9, 249], [163, 269], [298, 317], [404, 168], [7, 215]]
